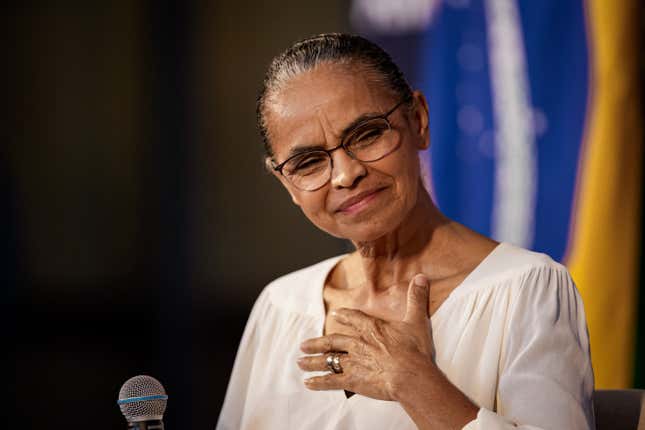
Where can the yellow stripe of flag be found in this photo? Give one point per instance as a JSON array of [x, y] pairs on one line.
[[604, 251]]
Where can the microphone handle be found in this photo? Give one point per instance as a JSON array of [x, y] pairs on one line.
[[146, 425]]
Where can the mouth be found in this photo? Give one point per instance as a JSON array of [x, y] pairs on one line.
[[359, 202]]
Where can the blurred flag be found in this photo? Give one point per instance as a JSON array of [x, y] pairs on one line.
[[536, 136]]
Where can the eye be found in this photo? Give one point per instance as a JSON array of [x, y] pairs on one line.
[[306, 164], [367, 134]]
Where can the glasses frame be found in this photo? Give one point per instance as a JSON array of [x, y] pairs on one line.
[[343, 144]]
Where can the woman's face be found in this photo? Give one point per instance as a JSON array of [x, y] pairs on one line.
[[363, 201]]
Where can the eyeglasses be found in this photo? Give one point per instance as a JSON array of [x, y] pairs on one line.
[[367, 141]]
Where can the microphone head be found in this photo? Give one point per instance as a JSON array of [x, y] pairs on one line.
[[142, 398]]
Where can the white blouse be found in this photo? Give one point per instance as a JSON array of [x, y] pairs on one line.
[[512, 337]]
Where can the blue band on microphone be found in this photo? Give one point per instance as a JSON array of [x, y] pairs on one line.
[[141, 399]]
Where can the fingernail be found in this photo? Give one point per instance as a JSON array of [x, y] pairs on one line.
[[420, 280], [300, 360], [303, 345]]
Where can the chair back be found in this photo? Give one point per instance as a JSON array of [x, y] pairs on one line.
[[619, 409]]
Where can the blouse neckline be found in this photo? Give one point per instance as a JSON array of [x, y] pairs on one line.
[[462, 288]]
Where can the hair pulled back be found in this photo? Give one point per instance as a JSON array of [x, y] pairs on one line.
[[335, 48]]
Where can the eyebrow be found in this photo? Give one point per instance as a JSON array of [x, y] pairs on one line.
[[300, 149]]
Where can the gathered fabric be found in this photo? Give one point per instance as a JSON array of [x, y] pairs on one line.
[[512, 337]]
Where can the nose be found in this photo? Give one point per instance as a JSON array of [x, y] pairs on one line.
[[346, 172]]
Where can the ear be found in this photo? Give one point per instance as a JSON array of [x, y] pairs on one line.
[[421, 119], [269, 166]]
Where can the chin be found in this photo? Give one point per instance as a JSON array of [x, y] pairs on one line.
[[370, 227], [371, 234]]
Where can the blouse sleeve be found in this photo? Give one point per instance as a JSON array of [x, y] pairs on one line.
[[233, 408], [545, 379]]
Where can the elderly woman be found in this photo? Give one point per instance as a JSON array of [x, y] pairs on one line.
[[427, 324]]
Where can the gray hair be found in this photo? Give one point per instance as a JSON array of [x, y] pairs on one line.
[[336, 48]]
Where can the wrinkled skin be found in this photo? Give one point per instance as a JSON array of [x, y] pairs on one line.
[[382, 356], [376, 314]]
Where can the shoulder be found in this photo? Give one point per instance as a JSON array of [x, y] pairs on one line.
[[517, 266], [535, 283], [517, 273]]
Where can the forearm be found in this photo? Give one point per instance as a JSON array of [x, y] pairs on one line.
[[433, 402]]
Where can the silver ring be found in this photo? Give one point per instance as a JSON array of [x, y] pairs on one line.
[[335, 363], [329, 360]]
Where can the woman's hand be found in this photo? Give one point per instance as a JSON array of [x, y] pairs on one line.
[[384, 358]]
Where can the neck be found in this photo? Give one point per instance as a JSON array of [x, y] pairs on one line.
[[392, 260]]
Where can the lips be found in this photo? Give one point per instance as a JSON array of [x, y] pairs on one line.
[[348, 204]]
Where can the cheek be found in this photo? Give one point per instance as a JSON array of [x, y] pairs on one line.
[[405, 173], [400, 171]]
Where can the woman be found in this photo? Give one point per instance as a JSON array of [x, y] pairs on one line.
[[431, 324]]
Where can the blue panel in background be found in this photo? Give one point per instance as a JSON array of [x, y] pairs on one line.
[[558, 71], [449, 62], [455, 78]]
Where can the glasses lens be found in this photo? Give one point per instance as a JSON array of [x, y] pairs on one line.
[[371, 141], [308, 171]]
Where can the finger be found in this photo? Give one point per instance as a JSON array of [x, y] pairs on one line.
[[358, 320], [332, 342], [333, 381], [418, 296], [313, 363]]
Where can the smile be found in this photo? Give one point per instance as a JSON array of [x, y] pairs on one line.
[[359, 202]]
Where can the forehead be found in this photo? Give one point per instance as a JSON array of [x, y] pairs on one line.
[[317, 105]]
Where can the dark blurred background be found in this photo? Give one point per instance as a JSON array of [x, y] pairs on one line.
[[141, 225]]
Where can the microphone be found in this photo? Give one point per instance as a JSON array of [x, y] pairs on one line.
[[142, 400]]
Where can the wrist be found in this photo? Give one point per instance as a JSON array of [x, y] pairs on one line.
[[432, 401], [417, 381]]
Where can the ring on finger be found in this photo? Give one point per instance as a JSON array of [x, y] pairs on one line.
[[333, 362], [336, 364]]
